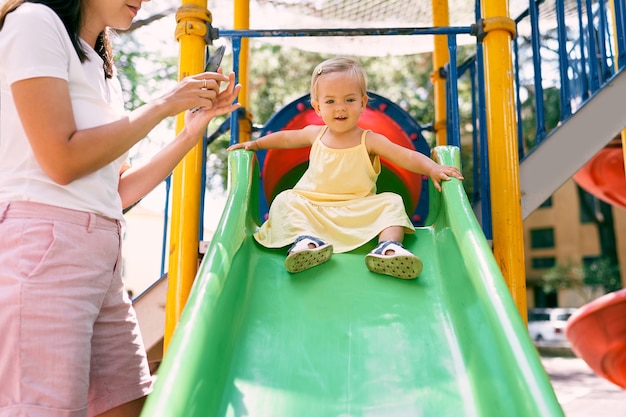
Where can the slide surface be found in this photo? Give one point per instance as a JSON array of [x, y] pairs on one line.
[[338, 340]]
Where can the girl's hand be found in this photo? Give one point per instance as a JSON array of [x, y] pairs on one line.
[[443, 173], [248, 146]]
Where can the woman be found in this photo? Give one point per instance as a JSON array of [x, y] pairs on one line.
[[71, 345]]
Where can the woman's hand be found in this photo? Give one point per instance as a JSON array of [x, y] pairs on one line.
[[223, 103], [137, 182], [200, 90]]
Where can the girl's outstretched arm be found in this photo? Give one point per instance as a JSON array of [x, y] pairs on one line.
[[284, 139], [410, 159]]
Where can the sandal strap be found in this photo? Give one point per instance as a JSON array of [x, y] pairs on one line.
[[303, 243], [385, 245]]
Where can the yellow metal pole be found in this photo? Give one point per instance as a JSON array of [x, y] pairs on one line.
[[441, 56], [242, 22], [191, 28], [508, 236]]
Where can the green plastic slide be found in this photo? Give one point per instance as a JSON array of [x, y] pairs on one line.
[[340, 341]]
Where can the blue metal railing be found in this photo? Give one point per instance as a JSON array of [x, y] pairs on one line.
[[451, 32], [586, 56], [589, 44]]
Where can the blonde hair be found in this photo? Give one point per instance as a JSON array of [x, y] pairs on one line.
[[340, 64]]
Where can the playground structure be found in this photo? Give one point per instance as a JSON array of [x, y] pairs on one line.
[[339, 340], [243, 337]]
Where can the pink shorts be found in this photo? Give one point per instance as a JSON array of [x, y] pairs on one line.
[[70, 344]]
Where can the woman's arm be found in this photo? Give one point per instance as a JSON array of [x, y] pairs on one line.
[[135, 183], [66, 153]]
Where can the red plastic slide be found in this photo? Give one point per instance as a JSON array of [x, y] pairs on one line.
[[603, 176], [280, 162], [597, 332]]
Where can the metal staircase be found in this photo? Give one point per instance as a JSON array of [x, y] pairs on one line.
[[585, 41], [572, 144]]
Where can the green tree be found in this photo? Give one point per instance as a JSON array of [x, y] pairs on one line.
[[565, 276], [143, 74], [285, 76], [278, 75], [602, 275], [606, 270]]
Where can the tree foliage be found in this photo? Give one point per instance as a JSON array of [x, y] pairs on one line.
[[144, 73], [600, 276], [284, 74], [277, 76]]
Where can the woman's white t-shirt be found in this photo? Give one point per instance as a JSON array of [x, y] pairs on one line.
[[35, 43]]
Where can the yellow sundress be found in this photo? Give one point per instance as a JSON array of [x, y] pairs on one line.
[[335, 200]]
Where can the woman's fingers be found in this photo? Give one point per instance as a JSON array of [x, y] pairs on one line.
[[207, 86]]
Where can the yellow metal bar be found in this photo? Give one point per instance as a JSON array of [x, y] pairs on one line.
[[191, 18], [441, 55], [242, 21], [508, 236], [623, 136]]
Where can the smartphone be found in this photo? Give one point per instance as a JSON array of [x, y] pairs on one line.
[[215, 59], [212, 64]]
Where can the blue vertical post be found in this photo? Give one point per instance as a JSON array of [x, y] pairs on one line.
[[564, 91], [455, 134], [234, 118]]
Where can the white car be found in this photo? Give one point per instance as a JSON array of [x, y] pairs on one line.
[[548, 324]]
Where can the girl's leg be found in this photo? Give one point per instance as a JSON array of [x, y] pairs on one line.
[[392, 233]]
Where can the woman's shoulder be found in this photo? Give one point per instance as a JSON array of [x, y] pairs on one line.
[[33, 16], [32, 35], [35, 11]]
